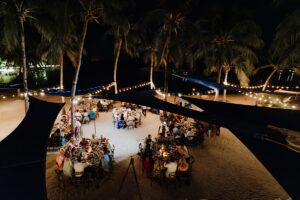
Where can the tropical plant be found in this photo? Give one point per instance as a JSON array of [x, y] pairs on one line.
[[285, 49], [142, 44], [57, 26], [169, 28], [90, 13], [14, 13], [116, 14], [231, 40]]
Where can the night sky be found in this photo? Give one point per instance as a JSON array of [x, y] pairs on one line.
[[266, 13], [99, 45]]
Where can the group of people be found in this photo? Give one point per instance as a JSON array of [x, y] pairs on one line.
[[128, 115], [190, 131], [93, 156], [164, 159], [86, 110]]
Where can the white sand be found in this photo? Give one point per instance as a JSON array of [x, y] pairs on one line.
[[125, 141], [12, 112]]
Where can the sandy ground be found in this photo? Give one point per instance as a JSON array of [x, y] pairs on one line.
[[224, 168], [12, 112]]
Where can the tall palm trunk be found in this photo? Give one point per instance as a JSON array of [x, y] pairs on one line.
[[118, 48], [151, 71], [166, 80], [22, 37], [62, 70], [225, 81], [165, 55], [75, 78], [219, 75], [269, 78]]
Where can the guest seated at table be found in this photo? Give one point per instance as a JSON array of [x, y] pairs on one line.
[[170, 138], [138, 118], [106, 160], [86, 118], [94, 141], [182, 150], [64, 119], [99, 106], [71, 144], [78, 115], [171, 125], [79, 167], [171, 167], [190, 134], [178, 118], [60, 157], [130, 120], [171, 117], [121, 122], [175, 130], [68, 167], [104, 105], [78, 131], [102, 138], [85, 154], [182, 165], [83, 142], [107, 144]]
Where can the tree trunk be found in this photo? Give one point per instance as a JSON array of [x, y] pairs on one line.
[[165, 54], [225, 81], [62, 70], [119, 45], [75, 78], [166, 81], [219, 75], [151, 72], [23, 50], [269, 78]]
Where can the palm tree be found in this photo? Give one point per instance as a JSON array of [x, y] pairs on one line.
[[150, 56], [229, 41], [14, 14], [142, 44], [115, 14], [89, 13], [57, 27], [285, 48], [243, 68], [166, 39]]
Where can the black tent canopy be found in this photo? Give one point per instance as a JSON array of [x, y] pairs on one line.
[[256, 115], [283, 163], [22, 165]]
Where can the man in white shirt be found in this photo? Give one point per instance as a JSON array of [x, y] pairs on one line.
[[175, 130], [171, 167], [190, 134], [78, 131], [78, 115], [79, 167]]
